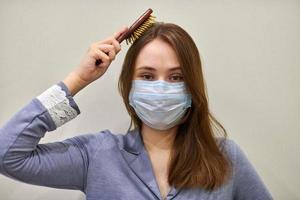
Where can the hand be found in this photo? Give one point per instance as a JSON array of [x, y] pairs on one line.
[[87, 72]]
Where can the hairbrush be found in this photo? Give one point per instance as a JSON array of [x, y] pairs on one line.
[[136, 30]]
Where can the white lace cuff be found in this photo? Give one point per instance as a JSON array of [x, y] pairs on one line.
[[57, 102]]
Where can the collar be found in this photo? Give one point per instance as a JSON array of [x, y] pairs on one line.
[[139, 161], [133, 142]]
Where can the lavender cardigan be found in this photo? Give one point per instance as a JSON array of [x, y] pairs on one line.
[[102, 165]]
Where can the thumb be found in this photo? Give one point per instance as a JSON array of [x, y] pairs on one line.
[[121, 31]]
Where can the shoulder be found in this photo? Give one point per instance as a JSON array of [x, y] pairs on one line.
[[227, 145], [247, 183], [231, 149], [242, 166]]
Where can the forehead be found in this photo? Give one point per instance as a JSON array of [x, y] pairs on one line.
[[157, 54]]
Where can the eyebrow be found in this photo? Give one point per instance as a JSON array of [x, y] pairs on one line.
[[153, 69]]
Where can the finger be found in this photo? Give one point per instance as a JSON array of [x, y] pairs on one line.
[[116, 45], [108, 49], [104, 47], [101, 56], [114, 37], [106, 41], [120, 31]]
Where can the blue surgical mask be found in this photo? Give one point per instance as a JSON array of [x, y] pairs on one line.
[[159, 104]]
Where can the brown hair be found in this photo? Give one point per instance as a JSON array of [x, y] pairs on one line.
[[197, 158]]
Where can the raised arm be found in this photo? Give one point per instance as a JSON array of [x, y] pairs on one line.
[[59, 164]]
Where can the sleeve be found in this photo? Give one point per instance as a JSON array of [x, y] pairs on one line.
[[60, 164], [247, 183]]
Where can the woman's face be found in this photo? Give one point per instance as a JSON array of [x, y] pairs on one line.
[[157, 61]]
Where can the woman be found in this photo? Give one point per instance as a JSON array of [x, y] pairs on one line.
[[172, 152]]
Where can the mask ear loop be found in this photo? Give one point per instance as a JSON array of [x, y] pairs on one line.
[[188, 112], [185, 116]]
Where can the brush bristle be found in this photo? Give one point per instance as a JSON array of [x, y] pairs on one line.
[[141, 30]]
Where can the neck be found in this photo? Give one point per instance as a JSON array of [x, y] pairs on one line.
[[158, 140]]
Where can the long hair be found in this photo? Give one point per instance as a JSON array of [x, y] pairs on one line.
[[197, 158]]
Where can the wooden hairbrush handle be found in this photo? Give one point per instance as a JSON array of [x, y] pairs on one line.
[[132, 28]]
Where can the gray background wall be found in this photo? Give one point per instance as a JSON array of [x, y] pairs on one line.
[[250, 54]]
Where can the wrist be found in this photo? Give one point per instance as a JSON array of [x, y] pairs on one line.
[[74, 83]]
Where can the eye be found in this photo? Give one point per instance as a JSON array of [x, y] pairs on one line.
[[147, 76], [176, 78]]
